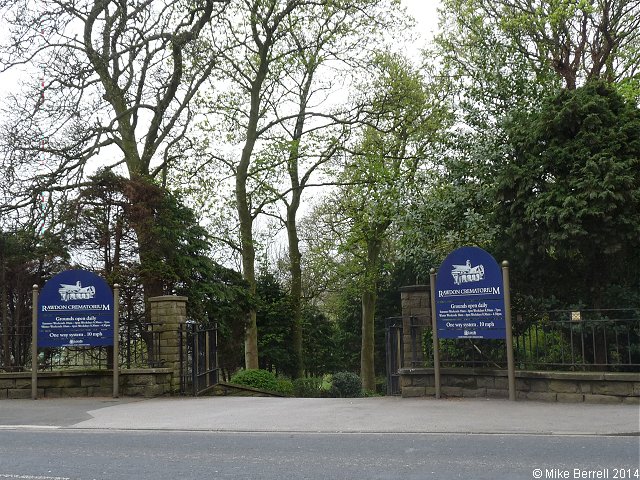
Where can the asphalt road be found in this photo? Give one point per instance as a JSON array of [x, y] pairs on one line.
[[267, 438], [101, 454]]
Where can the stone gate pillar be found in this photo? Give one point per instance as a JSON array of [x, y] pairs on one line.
[[169, 312], [416, 315]]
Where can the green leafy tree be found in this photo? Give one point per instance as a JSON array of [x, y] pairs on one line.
[[270, 71], [312, 137], [405, 122], [450, 207], [275, 321], [254, 60], [497, 58], [569, 195], [322, 351], [25, 260], [525, 43], [99, 223]]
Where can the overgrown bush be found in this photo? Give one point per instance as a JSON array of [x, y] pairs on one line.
[[285, 387], [381, 386], [262, 379], [346, 385], [546, 350], [310, 387]]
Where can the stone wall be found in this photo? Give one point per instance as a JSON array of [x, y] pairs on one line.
[[133, 383], [224, 389], [588, 387], [169, 313]]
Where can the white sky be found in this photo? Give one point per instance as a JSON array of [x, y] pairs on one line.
[[424, 11], [426, 15]]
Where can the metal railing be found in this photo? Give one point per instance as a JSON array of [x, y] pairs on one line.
[[580, 340], [199, 369], [139, 348], [589, 340]]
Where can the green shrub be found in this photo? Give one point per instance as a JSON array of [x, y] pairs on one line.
[[381, 386], [369, 393], [285, 387], [310, 387], [261, 379], [346, 385], [539, 349]]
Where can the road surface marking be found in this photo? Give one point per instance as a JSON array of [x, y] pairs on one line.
[[32, 477]]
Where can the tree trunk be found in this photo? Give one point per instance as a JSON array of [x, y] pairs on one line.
[[245, 215], [145, 200], [367, 366], [369, 297], [295, 267], [248, 254], [296, 287], [251, 342]]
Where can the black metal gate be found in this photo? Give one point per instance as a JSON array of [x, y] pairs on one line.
[[198, 359], [395, 352]]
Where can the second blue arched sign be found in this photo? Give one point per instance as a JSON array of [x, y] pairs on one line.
[[469, 296]]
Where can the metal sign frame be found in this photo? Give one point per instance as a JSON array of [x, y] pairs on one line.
[[93, 309], [470, 298]]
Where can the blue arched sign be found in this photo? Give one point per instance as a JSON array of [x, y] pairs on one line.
[[469, 296], [75, 309]]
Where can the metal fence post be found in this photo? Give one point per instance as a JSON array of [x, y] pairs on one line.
[[34, 343], [116, 341], [195, 358], [434, 334], [509, 331]]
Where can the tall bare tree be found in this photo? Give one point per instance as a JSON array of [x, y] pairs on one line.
[[405, 122], [113, 91], [270, 63], [314, 135]]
